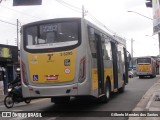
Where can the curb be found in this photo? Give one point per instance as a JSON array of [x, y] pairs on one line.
[[148, 103]]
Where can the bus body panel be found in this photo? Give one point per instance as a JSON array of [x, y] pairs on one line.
[[78, 89], [58, 86], [52, 67], [67, 72], [144, 69], [108, 63], [146, 66]]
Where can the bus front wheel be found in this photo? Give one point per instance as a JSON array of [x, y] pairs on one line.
[[60, 100]]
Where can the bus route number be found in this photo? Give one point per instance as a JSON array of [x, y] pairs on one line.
[[49, 28], [66, 53]]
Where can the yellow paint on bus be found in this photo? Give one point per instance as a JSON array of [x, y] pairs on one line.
[[52, 67], [107, 72], [144, 68]]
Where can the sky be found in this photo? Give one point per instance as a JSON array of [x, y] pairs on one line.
[[111, 15]]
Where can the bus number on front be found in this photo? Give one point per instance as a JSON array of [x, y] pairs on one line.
[[66, 53]]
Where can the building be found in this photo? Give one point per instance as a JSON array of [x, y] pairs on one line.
[[8, 65]]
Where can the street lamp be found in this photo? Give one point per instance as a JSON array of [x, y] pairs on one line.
[[140, 14], [151, 37], [152, 20]]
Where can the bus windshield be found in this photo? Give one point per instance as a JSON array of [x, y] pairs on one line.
[[51, 35], [143, 60]]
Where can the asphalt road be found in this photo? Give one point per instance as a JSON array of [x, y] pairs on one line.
[[118, 102]]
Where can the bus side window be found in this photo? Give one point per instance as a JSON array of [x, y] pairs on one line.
[[107, 51], [92, 42]]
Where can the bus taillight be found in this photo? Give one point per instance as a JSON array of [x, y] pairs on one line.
[[82, 70], [24, 73]]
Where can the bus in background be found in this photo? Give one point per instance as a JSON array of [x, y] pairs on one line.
[[71, 57], [146, 66]]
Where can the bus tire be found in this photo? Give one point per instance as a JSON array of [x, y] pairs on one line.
[[121, 89], [106, 97], [60, 100]]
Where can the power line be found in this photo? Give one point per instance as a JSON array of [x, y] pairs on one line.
[[69, 6], [80, 11], [8, 22], [100, 23], [20, 12]]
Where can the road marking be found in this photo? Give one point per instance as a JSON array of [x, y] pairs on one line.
[[39, 100], [17, 118], [53, 118], [150, 101]]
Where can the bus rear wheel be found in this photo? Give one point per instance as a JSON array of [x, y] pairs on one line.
[[121, 89], [60, 100], [140, 77], [107, 95]]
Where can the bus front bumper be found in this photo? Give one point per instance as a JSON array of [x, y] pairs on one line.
[[144, 73]]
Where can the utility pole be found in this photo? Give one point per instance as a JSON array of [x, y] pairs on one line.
[[83, 11], [159, 42], [149, 4], [132, 52], [17, 35]]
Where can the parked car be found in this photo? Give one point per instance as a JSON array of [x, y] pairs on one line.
[[130, 74]]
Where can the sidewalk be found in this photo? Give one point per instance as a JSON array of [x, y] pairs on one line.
[[149, 102]]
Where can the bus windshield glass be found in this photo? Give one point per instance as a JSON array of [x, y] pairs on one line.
[[51, 35], [143, 60]]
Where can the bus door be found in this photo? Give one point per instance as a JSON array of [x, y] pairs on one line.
[[126, 65], [115, 64], [100, 65]]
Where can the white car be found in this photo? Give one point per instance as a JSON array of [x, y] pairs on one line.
[[130, 74]]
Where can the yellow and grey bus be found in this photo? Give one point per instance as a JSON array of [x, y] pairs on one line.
[[146, 66], [71, 57]]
